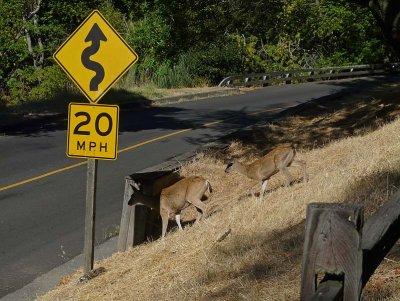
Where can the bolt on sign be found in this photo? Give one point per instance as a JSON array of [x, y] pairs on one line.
[[95, 56], [92, 131]]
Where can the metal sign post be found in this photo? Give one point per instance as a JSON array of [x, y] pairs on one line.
[[90, 215]]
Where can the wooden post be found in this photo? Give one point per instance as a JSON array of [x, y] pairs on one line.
[[137, 232], [132, 228], [91, 183], [126, 216], [332, 247], [380, 233]]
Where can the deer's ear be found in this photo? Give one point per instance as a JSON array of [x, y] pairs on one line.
[[229, 161], [136, 185], [228, 166]]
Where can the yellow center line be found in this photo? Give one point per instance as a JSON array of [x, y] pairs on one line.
[[154, 139], [214, 122], [132, 147], [43, 175], [268, 110]]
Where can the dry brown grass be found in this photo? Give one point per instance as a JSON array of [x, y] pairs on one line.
[[261, 257]]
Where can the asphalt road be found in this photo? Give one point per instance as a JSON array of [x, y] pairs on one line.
[[42, 192]]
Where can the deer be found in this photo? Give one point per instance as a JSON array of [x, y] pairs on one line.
[[173, 199], [278, 159]]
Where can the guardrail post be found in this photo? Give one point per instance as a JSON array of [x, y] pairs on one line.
[[332, 247], [331, 71], [265, 78], [288, 81], [310, 73]]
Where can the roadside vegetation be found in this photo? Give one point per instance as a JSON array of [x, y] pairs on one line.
[[184, 43], [251, 250]]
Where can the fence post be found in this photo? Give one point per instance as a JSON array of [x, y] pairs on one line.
[[332, 249]]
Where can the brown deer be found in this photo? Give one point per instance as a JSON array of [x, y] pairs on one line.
[[279, 159], [174, 199]]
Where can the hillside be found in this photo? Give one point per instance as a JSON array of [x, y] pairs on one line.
[[261, 257]]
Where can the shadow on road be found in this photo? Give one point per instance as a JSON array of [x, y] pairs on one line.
[[321, 121], [312, 122]]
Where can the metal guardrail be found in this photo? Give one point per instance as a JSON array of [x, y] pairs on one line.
[[307, 75]]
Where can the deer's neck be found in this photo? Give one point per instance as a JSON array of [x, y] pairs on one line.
[[150, 201], [242, 168]]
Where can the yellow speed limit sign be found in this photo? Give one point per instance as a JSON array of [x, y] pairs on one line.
[[92, 131]]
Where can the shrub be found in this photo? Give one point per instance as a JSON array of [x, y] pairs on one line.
[[217, 60], [30, 84]]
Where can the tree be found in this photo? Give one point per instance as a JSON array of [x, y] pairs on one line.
[[190, 42], [30, 32], [387, 14]]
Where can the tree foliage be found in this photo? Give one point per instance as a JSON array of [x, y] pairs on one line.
[[186, 43], [387, 15]]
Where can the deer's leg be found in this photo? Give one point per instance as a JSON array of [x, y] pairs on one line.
[[164, 217], [178, 220], [200, 205], [288, 176], [264, 187], [282, 164], [302, 165]]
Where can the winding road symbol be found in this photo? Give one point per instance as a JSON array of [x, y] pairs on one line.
[[95, 36], [95, 56]]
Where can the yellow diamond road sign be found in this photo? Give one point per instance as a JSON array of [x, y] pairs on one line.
[[95, 56], [92, 131]]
